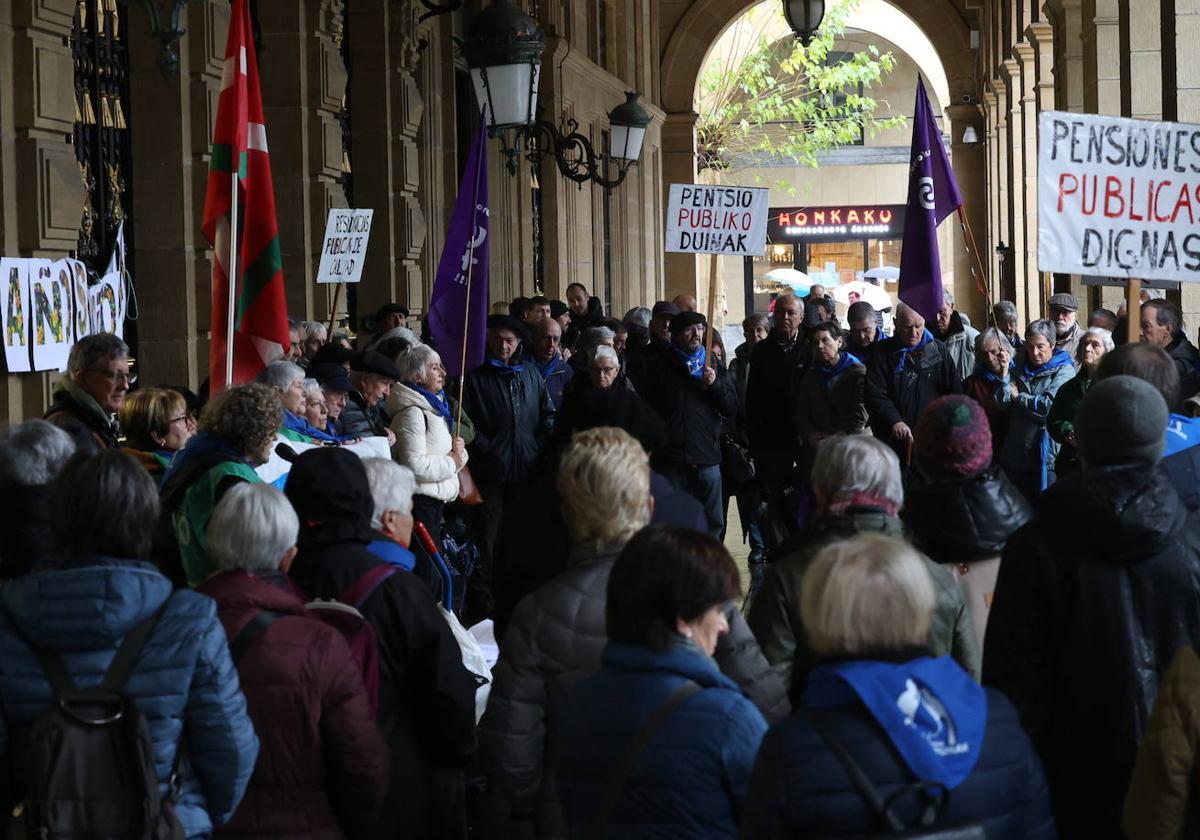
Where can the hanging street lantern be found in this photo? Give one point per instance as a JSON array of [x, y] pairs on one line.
[[629, 121], [804, 17], [504, 53]]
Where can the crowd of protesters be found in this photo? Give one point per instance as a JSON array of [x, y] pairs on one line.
[[973, 600]]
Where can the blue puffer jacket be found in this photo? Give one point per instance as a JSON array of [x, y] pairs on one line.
[[184, 684], [692, 777], [799, 789]]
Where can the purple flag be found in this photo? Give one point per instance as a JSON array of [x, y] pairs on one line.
[[456, 316], [932, 196]]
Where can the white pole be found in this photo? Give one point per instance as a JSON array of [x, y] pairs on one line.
[[232, 275]]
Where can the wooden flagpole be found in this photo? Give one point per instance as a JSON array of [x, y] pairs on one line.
[[232, 275], [712, 308], [337, 296], [1133, 308], [981, 283]]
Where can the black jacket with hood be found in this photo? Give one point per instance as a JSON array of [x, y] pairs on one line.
[[966, 520], [1094, 598], [426, 696]]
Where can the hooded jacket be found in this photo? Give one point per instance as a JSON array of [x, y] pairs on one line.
[[184, 682], [1084, 622], [799, 788], [513, 416], [774, 615], [694, 772], [1028, 446], [423, 443], [964, 521], [556, 638], [426, 696], [75, 412], [900, 384], [323, 765]]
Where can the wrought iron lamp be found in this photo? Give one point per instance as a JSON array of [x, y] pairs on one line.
[[167, 36], [804, 17]]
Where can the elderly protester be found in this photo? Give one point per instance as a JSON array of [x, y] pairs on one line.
[[959, 509], [157, 424], [557, 634], [303, 686], [1095, 596], [584, 348], [336, 386], [665, 611], [92, 391], [547, 357], [31, 455], [372, 375], [287, 378], [1028, 395], [1064, 315], [1162, 325], [236, 434], [879, 707], [1004, 316], [957, 335], [423, 423], [316, 409], [858, 488], [100, 592], [313, 336], [1094, 343], [601, 401], [993, 365], [829, 398]]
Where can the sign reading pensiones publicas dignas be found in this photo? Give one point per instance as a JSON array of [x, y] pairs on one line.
[[835, 222], [705, 219], [1118, 197]]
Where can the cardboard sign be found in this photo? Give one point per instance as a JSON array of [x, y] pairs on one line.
[[1118, 197], [14, 275], [50, 289], [704, 219], [345, 247]]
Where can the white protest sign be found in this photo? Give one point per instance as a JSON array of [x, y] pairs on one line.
[[345, 246], [1118, 197], [14, 274], [703, 219]]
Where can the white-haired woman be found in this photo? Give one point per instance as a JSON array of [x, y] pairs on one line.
[[1093, 344], [313, 336], [880, 707], [303, 687], [1028, 452], [423, 420], [288, 379]]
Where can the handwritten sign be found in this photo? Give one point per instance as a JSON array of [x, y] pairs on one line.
[[345, 246], [1118, 197], [705, 219]]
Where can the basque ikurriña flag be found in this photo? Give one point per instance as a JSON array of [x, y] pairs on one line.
[[932, 196], [456, 316], [260, 329]]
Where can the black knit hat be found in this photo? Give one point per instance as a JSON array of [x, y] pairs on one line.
[[683, 320], [1121, 420]]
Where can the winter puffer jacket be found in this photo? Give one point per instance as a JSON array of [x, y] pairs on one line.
[[799, 789], [184, 684], [556, 639], [1164, 800], [691, 778], [1084, 622], [323, 764], [514, 418], [774, 615], [899, 386], [1028, 447], [964, 521], [423, 443]]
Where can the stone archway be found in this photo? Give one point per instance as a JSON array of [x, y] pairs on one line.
[[688, 30]]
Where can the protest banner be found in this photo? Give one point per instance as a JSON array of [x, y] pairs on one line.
[[80, 312], [104, 308], [1118, 197], [704, 219], [345, 246], [15, 275], [50, 290]]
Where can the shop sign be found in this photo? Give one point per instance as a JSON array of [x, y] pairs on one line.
[[1118, 197], [838, 222], [704, 219]]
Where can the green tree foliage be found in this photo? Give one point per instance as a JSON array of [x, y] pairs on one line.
[[774, 98]]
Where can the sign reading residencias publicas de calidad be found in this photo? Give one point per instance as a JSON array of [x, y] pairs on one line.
[[1118, 197]]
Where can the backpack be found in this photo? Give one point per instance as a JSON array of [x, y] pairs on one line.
[[92, 759], [344, 616]]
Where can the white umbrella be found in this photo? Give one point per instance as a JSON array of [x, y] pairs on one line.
[[849, 293], [798, 280], [883, 272]]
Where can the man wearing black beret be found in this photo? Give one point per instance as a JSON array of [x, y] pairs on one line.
[[372, 375]]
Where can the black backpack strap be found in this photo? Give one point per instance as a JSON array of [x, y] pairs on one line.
[[641, 739], [251, 633], [858, 777]]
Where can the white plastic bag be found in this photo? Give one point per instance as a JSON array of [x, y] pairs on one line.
[[473, 660]]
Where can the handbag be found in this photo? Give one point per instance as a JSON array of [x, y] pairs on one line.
[[935, 798], [737, 467], [468, 490]]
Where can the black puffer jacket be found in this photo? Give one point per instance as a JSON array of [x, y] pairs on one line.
[[799, 789], [899, 387], [555, 640], [962, 521], [775, 371], [514, 418], [694, 415], [1187, 360], [1094, 598]]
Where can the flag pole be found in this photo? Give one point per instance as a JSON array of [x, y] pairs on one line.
[[232, 275], [337, 296], [712, 310], [981, 284]]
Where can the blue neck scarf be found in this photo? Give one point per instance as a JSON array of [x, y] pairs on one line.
[[930, 709], [200, 444], [694, 361], [829, 375], [437, 401], [1060, 358], [904, 351], [515, 368], [295, 423], [551, 367]]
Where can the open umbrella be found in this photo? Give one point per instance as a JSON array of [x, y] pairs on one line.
[[798, 280], [883, 272], [849, 293]]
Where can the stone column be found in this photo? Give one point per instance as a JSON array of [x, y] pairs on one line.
[[679, 167], [1011, 69], [991, 140], [1187, 59], [1145, 59]]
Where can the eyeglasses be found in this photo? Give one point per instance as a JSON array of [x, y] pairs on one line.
[[186, 418], [119, 377]]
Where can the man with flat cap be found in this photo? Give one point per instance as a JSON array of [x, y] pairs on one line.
[[508, 401], [371, 375], [693, 396], [1064, 312]]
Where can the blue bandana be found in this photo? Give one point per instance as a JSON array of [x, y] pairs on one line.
[[1059, 359], [904, 351], [437, 401], [295, 423], [1182, 434], [829, 376], [930, 709], [551, 367], [694, 361], [514, 368]]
